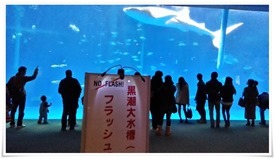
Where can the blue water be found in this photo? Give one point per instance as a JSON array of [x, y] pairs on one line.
[[92, 38]]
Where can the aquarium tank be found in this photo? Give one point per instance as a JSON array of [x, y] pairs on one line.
[[178, 40]]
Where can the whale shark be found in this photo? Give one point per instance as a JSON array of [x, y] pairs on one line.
[[179, 18]]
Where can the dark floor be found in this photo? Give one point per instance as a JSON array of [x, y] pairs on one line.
[[186, 138]]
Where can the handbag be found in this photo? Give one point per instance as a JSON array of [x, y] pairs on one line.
[[241, 102], [189, 113]]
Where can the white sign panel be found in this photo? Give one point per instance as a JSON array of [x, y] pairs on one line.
[[116, 114]]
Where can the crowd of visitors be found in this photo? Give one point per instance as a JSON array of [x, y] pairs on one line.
[[220, 98], [165, 96]]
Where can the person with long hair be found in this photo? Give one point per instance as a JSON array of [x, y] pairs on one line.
[[227, 92], [156, 83], [182, 97], [166, 103]]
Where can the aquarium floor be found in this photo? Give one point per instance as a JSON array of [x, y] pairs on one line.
[[185, 138]]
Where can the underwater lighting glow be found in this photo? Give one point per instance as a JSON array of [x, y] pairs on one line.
[[180, 41]]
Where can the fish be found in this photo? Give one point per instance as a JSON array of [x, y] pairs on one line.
[[247, 67], [149, 53], [74, 27], [55, 81], [229, 59], [179, 19], [59, 65]]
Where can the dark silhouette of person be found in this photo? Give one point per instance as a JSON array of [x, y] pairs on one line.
[[263, 103], [156, 83], [250, 95], [43, 110], [227, 92], [200, 99], [213, 87], [70, 91], [16, 87], [182, 97], [166, 102]]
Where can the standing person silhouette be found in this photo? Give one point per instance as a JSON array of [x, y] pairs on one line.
[[156, 83], [213, 87], [227, 92], [70, 91], [166, 102], [200, 99], [250, 94], [16, 87], [43, 110], [182, 97]]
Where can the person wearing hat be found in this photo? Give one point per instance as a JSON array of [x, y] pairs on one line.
[[16, 87]]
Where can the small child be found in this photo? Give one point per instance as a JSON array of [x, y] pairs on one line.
[[43, 110]]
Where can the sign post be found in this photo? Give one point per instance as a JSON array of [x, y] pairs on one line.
[[116, 114]]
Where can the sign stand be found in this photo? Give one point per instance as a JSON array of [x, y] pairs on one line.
[[116, 114]]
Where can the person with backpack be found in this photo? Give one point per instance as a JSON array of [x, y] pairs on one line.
[[16, 88], [263, 103]]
